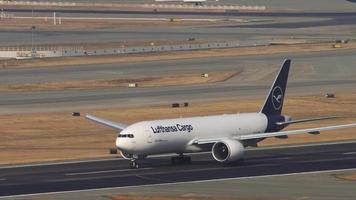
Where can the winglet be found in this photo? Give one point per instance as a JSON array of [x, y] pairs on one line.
[[274, 101]]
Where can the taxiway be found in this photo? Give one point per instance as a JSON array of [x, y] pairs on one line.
[[312, 73]]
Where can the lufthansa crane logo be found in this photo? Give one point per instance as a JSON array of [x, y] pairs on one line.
[[277, 97]]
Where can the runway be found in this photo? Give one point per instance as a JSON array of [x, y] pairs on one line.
[[158, 170], [321, 18], [323, 62], [185, 13]]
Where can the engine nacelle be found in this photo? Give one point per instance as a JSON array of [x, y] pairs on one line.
[[228, 151]]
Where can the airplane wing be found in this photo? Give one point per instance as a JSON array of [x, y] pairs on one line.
[[114, 125], [293, 132], [273, 134]]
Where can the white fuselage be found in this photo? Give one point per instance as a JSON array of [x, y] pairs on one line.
[[176, 135]]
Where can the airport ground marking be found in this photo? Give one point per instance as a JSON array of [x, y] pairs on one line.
[[166, 155], [325, 160], [349, 153], [106, 171], [184, 182], [157, 173]]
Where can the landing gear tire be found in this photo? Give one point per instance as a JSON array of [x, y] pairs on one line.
[[134, 165], [181, 160]]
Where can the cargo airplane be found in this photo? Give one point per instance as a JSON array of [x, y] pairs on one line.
[[225, 136]]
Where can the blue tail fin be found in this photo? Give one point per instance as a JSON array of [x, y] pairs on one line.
[[274, 101]]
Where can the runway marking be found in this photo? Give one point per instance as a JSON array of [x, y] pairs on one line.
[[154, 179], [88, 161], [303, 145], [3, 179], [156, 173], [105, 171], [183, 182], [267, 159], [131, 18], [322, 160], [349, 153]]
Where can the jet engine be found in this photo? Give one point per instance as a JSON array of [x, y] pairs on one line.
[[228, 151]]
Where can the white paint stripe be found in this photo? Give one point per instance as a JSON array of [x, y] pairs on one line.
[[304, 145], [128, 18], [323, 160], [106, 171], [349, 153], [165, 155], [269, 159], [184, 182], [3, 179], [88, 161], [60, 163], [165, 172]]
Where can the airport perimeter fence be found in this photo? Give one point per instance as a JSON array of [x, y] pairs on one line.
[[167, 48], [154, 6], [208, 7], [25, 52]]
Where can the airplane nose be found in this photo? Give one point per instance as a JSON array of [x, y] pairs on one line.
[[122, 144], [118, 144]]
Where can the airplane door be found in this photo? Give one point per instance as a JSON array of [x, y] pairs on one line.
[[149, 136]]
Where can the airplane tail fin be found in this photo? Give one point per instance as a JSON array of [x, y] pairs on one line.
[[274, 100]]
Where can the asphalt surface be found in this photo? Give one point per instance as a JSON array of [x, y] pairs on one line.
[[323, 64], [158, 170], [326, 18], [122, 95], [186, 13], [311, 73], [279, 24], [310, 5]]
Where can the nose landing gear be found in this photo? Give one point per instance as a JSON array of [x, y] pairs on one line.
[[134, 164], [133, 159]]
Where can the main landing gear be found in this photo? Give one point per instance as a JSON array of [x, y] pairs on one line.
[[181, 159], [176, 160]]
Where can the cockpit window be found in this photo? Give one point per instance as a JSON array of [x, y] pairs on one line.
[[125, 136]]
